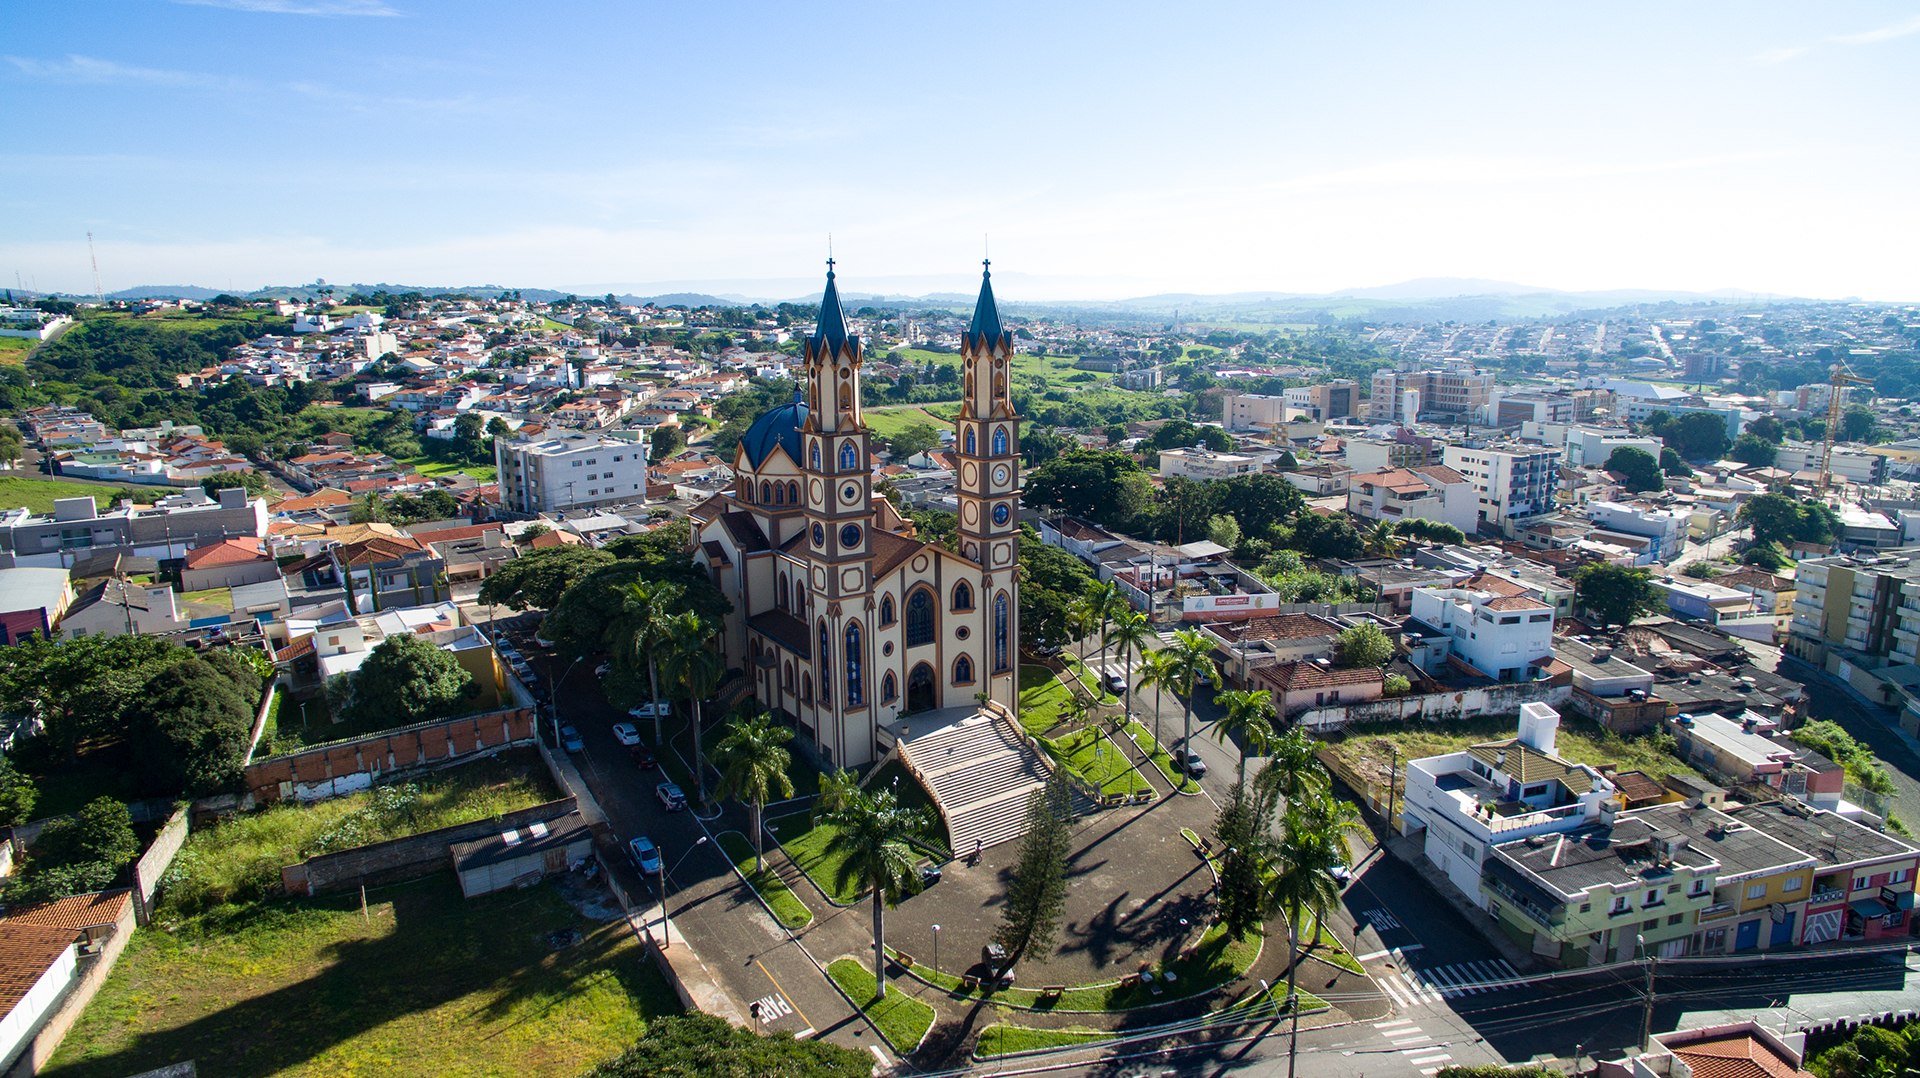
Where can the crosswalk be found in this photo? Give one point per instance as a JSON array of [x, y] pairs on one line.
[[1418, 1048], [1381, 920], [1425, 987]]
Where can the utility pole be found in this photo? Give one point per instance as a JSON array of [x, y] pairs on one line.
[[1646, 1013], [97, 291]]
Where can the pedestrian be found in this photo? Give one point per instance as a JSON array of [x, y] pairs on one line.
[[975, 859]]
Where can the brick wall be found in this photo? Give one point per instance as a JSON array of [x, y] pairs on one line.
[[348, 766], [404, 858]]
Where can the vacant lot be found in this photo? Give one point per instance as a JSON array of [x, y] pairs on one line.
[[425, 983], [38, 494]]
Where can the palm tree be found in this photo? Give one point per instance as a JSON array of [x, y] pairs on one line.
[[753, 766], [1191, 658], [1106, 602], [1249, 719], [1293, 770], [874, 830], [837, 789], [643, 631], [1303, 881], [1382, 540], [1080, 618], [1131, 633], [697, 670], [1155, 673]]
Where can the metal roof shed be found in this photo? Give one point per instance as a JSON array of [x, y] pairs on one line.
[[522, 856]]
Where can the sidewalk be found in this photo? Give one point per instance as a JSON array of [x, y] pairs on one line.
[[1410, 853]]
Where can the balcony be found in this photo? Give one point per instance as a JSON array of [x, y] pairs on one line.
[[1716, 911], [1823, 898]]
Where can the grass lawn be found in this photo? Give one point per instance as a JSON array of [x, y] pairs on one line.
[[1215, 961], [785, 904], [15, 349], [221, 597], [1319, 940], [38, 494], [806, 842], [1089, 753], [1580, 740], [1089, 680], [902, 1019], [427, 983], [888, 422], [481, 473], [1143, 738], [1043, 700], [1002, 1039]]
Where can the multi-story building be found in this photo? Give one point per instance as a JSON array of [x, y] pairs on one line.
[[1504, 637], [1511, 411], [1373, 454], [1434, 492], [1866, 610], [166, 529], [1594, 445], [1665, 530], [1852, 465], [1516, 482], [1328, 400], [568, 472], [1862, 887], [1203, 465], [1456, 390]]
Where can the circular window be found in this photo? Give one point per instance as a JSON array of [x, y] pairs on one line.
[[1000, 474], [962, 632], [849, 492], [1000, 514], [850, 535], [819, 535], [886, 648]]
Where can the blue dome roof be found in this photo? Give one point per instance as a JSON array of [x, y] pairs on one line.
[[778, 427]]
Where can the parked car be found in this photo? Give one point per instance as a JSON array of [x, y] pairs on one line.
[[646, 856], [1194, 764], [625, 733], [643, 757], [1341, 873], [670, 795], [929, 875], [1116, 685], [646, 710], [570, 740], [603, 669]]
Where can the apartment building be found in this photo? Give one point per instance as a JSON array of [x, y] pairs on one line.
[[1864, 609], [1852, 465], [1512, 411], [1594, 445], [1373, 454], [1458, 389], [1516, 482], [569, 472], [1203, 465], [166, 529], [1328, 400], [1434, 492], [1503, 637], [1665, 530]]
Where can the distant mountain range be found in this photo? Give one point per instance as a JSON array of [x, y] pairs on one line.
[[1423, 299]]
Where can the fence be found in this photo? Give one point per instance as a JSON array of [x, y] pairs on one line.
[[344, 767], [1437, 707], [404, 858], [153, 864]]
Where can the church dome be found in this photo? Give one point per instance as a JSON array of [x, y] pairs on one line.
[[779, 427]]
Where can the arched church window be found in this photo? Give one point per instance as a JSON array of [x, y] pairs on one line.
[[806, 688], [886, 610], [999, 441], [779, 493], [789, 681], [887, 688], [766, 491], [1000, 633], [920, 617], [856, 682], [826, 663], [970, 444], [793, 493], [746, 490], [846, 398], [780, 593], [962, 596], [963, 671], [816, 456], [849, 457]]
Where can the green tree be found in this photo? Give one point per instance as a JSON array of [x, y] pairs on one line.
[[1856, 423], [1037, 889], [1242, 828], [1396, 685], [17, 795], [1615, 593], [913, 440], [1671, 464], [1106, 487], [697, 1045], [1116, 433], [903, 387], [1698, 436], [664, 441], [1640, 469], [1818, 524], [537, 579], [645, 628], [1051, 582], [1364, 645], [1224, 530], [189, 730], [1188, 659], [1293, 771], [101, 831], [872, 839], [1381, 540], [695, 671], [1773, 517], [1248, 722], [1768, 428], [1182, 510], [1158, 674], [1750, 448], [1131, 633], [1327, 537], [406, 679], [1431, 531], [1312, 844], [1764, 556], [753, 764], [1258, 501]]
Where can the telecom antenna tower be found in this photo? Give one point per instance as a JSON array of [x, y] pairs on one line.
[[98, 293]]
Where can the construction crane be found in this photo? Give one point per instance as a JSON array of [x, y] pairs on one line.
[[97, 292], [1840, 380]]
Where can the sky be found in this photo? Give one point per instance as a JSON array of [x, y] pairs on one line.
[[1097, 150]]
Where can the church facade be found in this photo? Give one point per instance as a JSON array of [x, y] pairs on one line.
[[844, 619]]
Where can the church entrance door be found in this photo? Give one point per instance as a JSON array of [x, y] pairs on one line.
[[920, 689]]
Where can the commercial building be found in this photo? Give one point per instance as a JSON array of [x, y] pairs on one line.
[[1852, 465], [1253, 411], [1594, 445], [1328, 400], [1456, 390], [1664, 530], [32, 602], [1203, 465], [569, 472], [168, 528], [1516, 482], [1373, 454]]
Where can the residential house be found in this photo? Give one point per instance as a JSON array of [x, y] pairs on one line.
[[1244, 646], [1862, 879], [227, 563], [1305, 684], [1430, 492], [1503, 637], [1611, 690], [32, 602]]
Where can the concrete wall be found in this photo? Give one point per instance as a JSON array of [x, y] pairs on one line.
[[348, 766], [1439, 706], [404, 858], [153, 864]]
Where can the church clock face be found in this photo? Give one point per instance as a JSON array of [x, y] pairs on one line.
[[1000, 474]]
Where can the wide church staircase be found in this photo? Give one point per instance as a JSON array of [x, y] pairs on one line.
[[980, 773]]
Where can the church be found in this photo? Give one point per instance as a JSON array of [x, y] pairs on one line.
[[844, 620]]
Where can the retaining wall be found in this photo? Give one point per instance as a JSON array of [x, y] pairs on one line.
[[1437, 707], [404, 858], [345, 767], [153, 864]]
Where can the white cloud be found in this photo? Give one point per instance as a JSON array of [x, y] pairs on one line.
[[90, 69], [301, 7], [1884, 33], [1779, 56]]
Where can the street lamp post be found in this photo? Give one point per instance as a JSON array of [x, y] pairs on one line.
[[666, 880], [936, 950]]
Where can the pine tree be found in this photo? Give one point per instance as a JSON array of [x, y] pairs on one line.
[[1038, 890]]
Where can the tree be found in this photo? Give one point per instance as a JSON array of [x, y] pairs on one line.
[[1293, 771], [1396, 685], [1037, 889], [1818, 524], [1156, 673], [1431, 531], [406, 679], [1768, 428], [1130, 634], [1764, 556], [1106, 487], [17, 795], [665, 440], [102, 831], [1116, 433], [1327, 536], [1189, 658], [1051, 582], [1364, 645], [753, 767], [1615, 594], [252, 482], [1856, 423], [1224, 530], [1380, 539], [1640, 469], [1750, 448], [912, 441], [695, 671], [697, 1045], [537, 579], [189, 730], [1241, 828], [1258, 501], [1773, 517], [903, 387], [645, 628], [1698, 436], [872, 839], [1182, 510], [1248, 721], [1671, 464]]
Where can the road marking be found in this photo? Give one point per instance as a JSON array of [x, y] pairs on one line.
[[772, 1006], [1467, 978], [1403, 952], [1398, 1000], [1435, 1058], [1390, 1025], [1371, 955], [776, 985], [1409, 992], [1408, 1044], [1381, 919], [879, 1055]]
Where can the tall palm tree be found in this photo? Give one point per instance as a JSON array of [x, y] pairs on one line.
[[753, 767], [1249, 720], [696, 669], [1382, 540], [837, 789], [872, 840], [1155, 673], [1302, 881], [1190, 657], [1081, 618], [1131, 634], [642, 632], [1293, 770], [1107, 604]]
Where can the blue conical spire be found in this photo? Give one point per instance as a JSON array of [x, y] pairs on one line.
[[830, 335], [986, 316]]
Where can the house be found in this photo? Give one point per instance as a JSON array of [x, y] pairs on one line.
[[1428, 492], [519, 855], [1770, 593], [1460, 804], [1736, 1050], [37, 964], [1503, 637], [114, 608], [32, 602], [1300, 685], [1610, 689], [226, 564], [1245, 646], [1862, 885]]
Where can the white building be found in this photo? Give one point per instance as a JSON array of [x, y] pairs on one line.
[[1593, 445], [1202, 465], [1458, 389], [1664, 529], [1461, 803], [1515, 482], [1434, 492], [1852, 465], [568, 472], [1504, 637]]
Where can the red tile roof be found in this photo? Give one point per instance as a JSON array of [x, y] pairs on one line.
[[27, 952], [1291, 677], [1517, 602], [76, 913], [1735, 1057], [226, 552], [1278, 627]]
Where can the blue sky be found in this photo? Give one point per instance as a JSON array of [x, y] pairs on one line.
[[1102, 149]]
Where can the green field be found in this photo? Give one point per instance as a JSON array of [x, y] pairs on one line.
[[888, 422], [38, 494], [480, 473], [1100, 761], [425, 983], [902, 1019]]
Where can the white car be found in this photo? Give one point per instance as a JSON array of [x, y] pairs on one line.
[[603, 669], [625, 733], [646, 711]]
